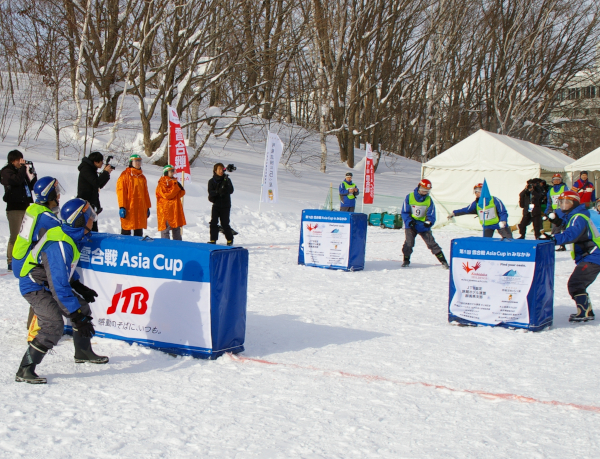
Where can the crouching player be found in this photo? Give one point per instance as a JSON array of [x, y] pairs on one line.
[[48, 281], [583, 234]]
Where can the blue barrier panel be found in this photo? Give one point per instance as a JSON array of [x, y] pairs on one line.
[[179, 297], [501, 283], [334, 240]]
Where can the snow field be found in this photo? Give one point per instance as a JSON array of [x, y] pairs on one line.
[[337, 365]]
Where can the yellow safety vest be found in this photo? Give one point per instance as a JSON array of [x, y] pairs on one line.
[[52, 235]]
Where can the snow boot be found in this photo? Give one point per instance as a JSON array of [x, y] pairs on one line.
[[33, 356], [561, 248], [406, 262], [211, 242], [522, 236], [222, 231], [440, 256], [230, 243], [84, 352], [9, 266], [584, 309]]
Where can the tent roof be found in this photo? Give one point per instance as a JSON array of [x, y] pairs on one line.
[[589, 162], [487, 151]]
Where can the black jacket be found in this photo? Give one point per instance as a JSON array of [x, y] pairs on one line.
[[17, 187], [90, 182], [533, 196], [219, 190]]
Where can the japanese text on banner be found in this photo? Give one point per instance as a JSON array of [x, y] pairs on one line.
[[178, 156]]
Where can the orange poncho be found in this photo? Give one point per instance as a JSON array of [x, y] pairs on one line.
[[132, 193], [168, 203]]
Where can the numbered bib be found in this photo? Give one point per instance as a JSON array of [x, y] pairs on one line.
[[487, 214], [418, 211], [26, 225], [555, 199]]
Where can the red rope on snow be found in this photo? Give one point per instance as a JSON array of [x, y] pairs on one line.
[[481, 393]]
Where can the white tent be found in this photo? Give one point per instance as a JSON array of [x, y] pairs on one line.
[[589, 163], [505, 163]]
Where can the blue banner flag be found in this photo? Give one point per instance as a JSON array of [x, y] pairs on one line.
[[485, 197]]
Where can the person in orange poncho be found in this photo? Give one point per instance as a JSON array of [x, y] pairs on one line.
[[169, 209], [133, 197]]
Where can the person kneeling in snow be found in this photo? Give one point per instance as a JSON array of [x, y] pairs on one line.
[[418, 214], [496, 215], [48, 281], [169, 209], [585, 237]]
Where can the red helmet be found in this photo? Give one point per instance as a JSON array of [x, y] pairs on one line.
[[479, 185], [570, 195], [557, 175], [425, 184]]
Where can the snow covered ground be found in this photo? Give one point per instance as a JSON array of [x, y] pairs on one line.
[[337, 365]]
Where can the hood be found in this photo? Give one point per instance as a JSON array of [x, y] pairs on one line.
[[556, 187], [418, 197], [134, 171], [76, 234], [86, 162]]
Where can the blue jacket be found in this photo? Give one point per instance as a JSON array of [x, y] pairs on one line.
[[578, 230], [58, 270], [549, 198], [44, 222], [344, 201], [472, 209], [407, 216]]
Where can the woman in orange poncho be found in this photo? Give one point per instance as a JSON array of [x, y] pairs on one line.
[[169, 209], [134, 200]]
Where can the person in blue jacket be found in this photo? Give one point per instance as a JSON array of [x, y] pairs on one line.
[[50, 284], [557, 188], [585, 237], [496, 215], [39, 218], [348, 193], [418, 214]]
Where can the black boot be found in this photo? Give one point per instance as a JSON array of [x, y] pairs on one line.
[[440, 256], [84, 352], [230, 243], [561, 248], [33, 356], [406, 262], [584, 309]]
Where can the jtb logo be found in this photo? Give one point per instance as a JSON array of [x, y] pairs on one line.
[[137, 297]]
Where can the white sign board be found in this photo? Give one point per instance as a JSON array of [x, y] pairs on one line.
[[325, 243]]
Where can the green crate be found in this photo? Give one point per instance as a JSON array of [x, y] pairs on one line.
[[392, 221]]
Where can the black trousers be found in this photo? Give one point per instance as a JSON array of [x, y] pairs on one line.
[[409, 241], [584, 274], [216, 214], [504, 232], [136, 232], [529, 218]]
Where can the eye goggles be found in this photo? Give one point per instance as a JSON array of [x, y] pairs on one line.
[[476, 190], [424, 190], [89, 213]]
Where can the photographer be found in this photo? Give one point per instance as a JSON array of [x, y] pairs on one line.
[[18, 178], [530, 201], [220, 189], [90, 182]]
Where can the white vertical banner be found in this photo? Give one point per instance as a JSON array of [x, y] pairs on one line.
[[273, 154]]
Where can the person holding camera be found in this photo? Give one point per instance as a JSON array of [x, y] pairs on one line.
[[530, 201], [90, 182], [169, 208], [220, 189], [133, 197], [18, 178], [348, 193]]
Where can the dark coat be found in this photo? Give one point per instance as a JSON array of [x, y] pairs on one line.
[[219, 191], [533, 196], [90, 183], [17, 187]]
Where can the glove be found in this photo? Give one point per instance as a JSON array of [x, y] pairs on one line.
[[82, 324], [451, 215], [428, 224], [86, 293], [122, 212], [502, 224], [550, 237], [412, 223], [180, 185], [148, 213]]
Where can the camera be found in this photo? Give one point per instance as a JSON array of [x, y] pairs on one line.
[[230, 168], [108, 160], [29, 163]]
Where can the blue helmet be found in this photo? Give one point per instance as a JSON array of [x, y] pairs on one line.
[[77, 212], [47, 189]]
